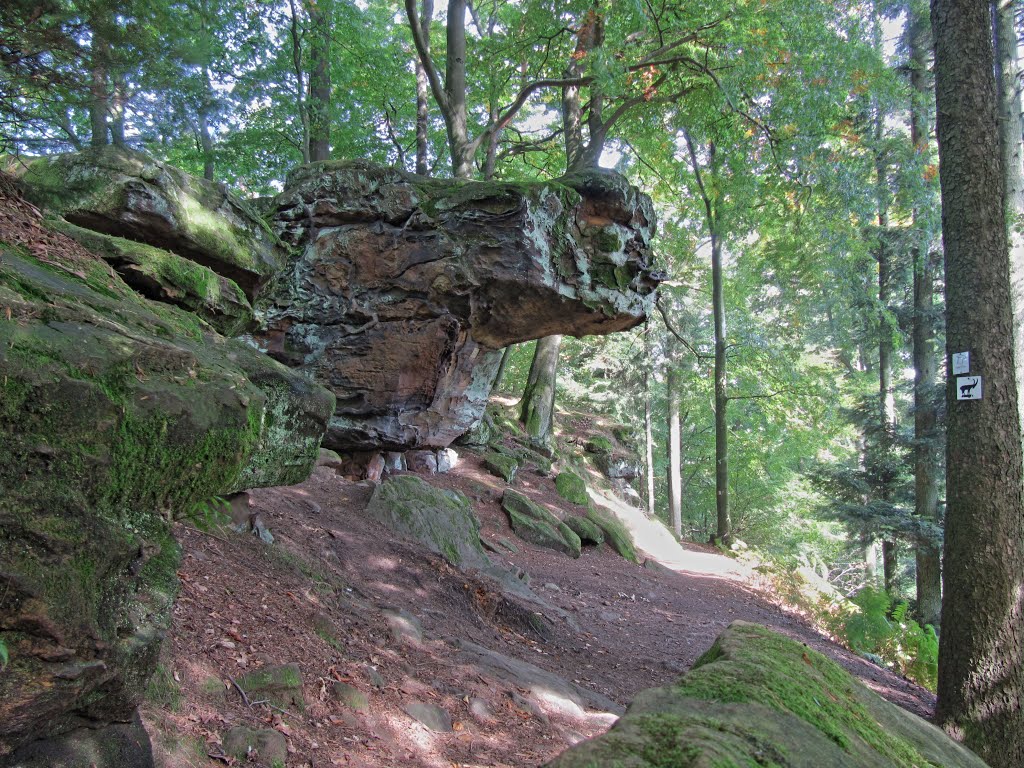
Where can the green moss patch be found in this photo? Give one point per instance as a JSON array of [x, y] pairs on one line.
[[572, 487], [757, 698]]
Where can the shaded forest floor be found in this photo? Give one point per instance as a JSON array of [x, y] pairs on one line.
[[326, 595]]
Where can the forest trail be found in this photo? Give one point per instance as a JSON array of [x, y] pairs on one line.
[[381, 629], [657, 542]]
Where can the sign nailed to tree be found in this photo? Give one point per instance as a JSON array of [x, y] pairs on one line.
[[968, 387]]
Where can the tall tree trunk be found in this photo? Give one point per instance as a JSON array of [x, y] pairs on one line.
[[926, 459], [538, 403], [300, 80], [675, 478], [981, 657], [118, 106], [648, 426], [321, 21], [462, 149], [423, 96], [886, 395], [505, 354], [724, 532], [99, 93]]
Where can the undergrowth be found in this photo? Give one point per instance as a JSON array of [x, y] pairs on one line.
[[871, 624]]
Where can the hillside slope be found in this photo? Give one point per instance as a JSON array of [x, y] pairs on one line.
[[337, 594]]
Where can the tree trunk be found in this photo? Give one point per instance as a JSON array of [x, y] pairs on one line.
[[724, 532], [675, 479], [118, 105], [886, 396], [321, 22], [423, 98], [981, 657], [649, 433], [99, 94], [300, 87], [538, 403], [506, 353], [926, 460], [461, 148]]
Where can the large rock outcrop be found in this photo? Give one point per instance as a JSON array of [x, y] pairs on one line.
[[129, 194], [758, 698], [117, 415], [405, 287]]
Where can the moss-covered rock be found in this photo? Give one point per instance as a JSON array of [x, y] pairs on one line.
[[757, 698], [588, 531], [443, 521], [123, 192], [533, 523], [615, 533], [501, 465], [116, 416], [600, 445], [164, 276], [280, 685], [264, 748], [571, 487]]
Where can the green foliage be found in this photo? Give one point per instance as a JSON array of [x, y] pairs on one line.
[[4, 655], [163, 691], [209, 513], [879, 627]]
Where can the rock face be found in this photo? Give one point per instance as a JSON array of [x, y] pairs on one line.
[[406, 287], [117, 415], [757, 698], [129, 194]]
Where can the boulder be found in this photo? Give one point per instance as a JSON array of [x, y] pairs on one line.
[[571, 487], [164, 276], [443, 521], [615, 533], [407, 288], [501, 465], [122, 192], [281, 685], [265, 748], [758, 698], [117, 415], [588, 531], [533, 523]]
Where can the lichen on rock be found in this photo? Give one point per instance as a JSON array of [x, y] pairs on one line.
[[406, 287]]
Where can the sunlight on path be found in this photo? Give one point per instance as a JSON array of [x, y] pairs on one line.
[[657, 542]]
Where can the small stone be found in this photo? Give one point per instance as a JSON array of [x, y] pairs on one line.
[[375, 468], [374, 676], [552, 587], [530, 706], [281, 685], [351, 697], [430, 715], [260, 530], [266, 748], [481, 710], [405, 628], [447, 459], [421, 462], [394, 461]]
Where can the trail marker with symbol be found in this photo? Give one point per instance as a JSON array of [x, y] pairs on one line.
[[961, 362], [968, 387]]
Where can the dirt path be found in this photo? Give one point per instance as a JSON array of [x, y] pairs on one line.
[[317, 597]]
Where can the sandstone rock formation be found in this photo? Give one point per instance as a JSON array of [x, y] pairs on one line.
[[406, 286], [117, 415], [129, 194], [758, 698]]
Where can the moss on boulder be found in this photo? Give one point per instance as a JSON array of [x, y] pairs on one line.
[[116, 416], [588, 531], [164, 276], [533, 523], [501, 465], [757, 698], [571, 487], [615, 533], [443, 521], [128, 193]]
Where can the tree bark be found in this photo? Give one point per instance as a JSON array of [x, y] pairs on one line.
[[648, 428], [926, 459], [538, 403], [675, 479], [300, 79], [886, 395], [321, 22], [506, 353], [981, 657], [423, 96], [99, 93]]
